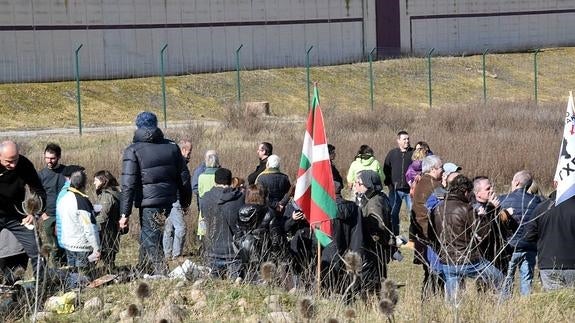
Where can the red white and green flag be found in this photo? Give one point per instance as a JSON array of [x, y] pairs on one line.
[[315, 191]]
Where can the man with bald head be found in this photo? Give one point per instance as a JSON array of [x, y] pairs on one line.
[[520, 205], [16, 171]]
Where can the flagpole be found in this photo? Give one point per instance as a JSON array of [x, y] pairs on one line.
[[318, 269]]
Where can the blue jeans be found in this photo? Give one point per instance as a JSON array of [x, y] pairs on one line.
[[525, 261], [174, 232], [395, 198], [77, 259], [452, 275], [151, 257], [553, 279]]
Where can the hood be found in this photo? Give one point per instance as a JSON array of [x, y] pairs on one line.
[[365, 160], [153, 135], [228, 194], [113, 191]]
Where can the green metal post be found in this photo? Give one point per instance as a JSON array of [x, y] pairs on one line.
[[78, 101], [484, 82], [371, 76], [535, 72], [163, 84], [429, 74], [307, 77], [238, 75]]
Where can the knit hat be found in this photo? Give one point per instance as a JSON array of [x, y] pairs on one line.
[[71, 169], [370, 180], [146, 119], [273, 161], [223, 176]]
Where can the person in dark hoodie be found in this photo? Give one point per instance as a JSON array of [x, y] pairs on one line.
[[153, 174], [378, 238], [16, 171], [220, 207], [107, 208]]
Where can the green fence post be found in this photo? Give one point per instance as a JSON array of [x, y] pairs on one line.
[[429, 74], [307, 76], [371, 76], [78, 101], [484, 82], [535, 72], [239, 85], [163, 84]]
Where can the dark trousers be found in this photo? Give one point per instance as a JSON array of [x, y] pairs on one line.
[[24, 236], [152, 221], [57, 254]]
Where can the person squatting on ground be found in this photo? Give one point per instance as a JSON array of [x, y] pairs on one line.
[[80, 235], [378, 239], [394, 167], [252, 241], [459, 231], [53, 181], [175, 229], [220, 208], [520, 205], [153, 174], [16, 171], [107, 208]]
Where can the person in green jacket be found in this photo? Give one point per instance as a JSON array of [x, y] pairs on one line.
[[364, 160], [206, 181], [107, 208]]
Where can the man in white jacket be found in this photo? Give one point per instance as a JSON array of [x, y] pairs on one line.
[[79, 232]]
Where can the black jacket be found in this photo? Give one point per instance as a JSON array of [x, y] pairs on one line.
[[260, 168], [553, 229], [153, 173], [394, 167], [276, 185], [13, 187], [220, 208], [52, 181], [523, 205]]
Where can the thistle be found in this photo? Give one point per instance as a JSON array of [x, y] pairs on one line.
[[133, 310], [349, 314], [268, 271], [143, 290], [353, 262], [306, 308]]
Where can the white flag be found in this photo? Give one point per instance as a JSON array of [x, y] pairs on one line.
[[565, 173]]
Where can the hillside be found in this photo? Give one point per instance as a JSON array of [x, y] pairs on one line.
[[398, 83]]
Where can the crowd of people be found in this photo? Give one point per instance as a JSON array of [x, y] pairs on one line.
[[458, 226]]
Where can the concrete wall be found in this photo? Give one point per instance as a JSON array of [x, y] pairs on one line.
[[123, 38], [470, 26]]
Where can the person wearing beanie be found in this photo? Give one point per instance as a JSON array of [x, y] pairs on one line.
[[220, 208], [154, 175]]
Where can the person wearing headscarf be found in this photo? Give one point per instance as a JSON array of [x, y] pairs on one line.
[[375, 215]]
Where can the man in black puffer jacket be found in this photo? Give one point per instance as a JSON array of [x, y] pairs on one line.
[[153, 174]]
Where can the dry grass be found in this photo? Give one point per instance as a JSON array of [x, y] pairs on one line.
[[398, 83], [494, 140]]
